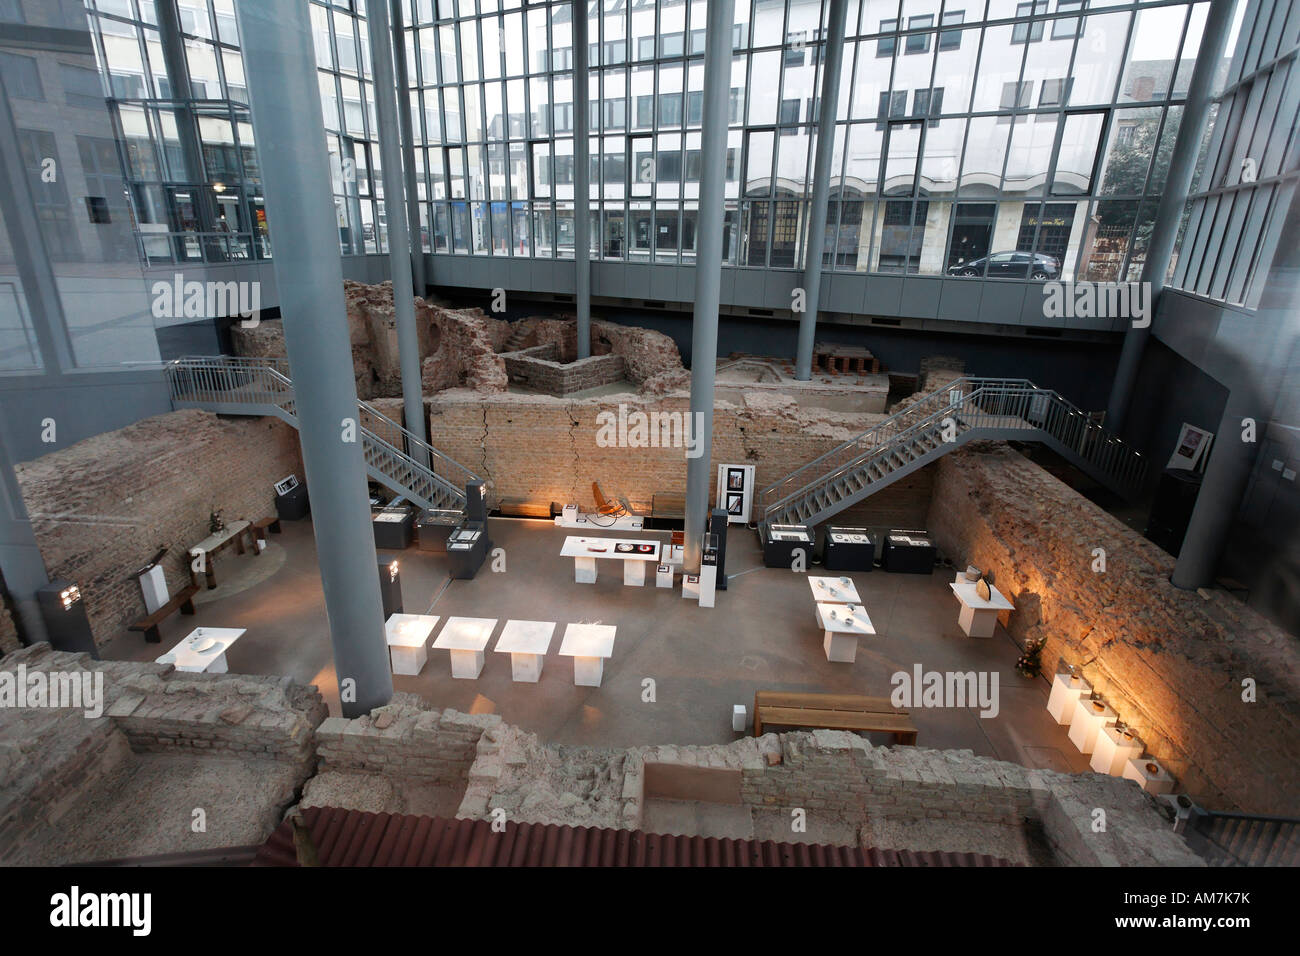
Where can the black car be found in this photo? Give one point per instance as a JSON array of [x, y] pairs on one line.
[[1010, 265]]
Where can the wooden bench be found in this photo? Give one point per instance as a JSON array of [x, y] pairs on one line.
[[833, 712], [183, 600]]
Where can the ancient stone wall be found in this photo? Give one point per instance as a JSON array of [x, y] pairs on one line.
[[52, 759], [101, 508], [536, 449], [1171, 662], [652, 361], [8, 632], [458, 346], [539, 368]]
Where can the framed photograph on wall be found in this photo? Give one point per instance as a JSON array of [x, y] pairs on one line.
[[1192, 448], [736, 492]]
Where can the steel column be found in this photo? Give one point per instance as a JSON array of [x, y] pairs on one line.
[[403, 83], [399, 240], [280, 62], [813, 249], [708, 272], [581, 179], [1169, 213]]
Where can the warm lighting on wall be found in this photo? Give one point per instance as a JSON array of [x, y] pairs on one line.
[[392, 571]]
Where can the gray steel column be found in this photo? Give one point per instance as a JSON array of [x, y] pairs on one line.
[[187, 131], [813, 249], [581, 180], [408, 147], [708, 271], [1169, 213], [399, 240], [1219, 498], [280, 62], [31, 258], [21, 563]]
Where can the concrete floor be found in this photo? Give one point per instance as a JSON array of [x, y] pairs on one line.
[[677, 668]]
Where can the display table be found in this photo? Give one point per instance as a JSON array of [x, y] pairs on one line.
[[589, 645], [232, 533], [570, 517], [849, 549], [527, 643], [203, 649], [979, 617], [467, 548], [408, 641], [1066, 691], [908, 552], [833, 590], [1089, 717], [1113, 749], [842, 625], [466, 637], [635, 555]]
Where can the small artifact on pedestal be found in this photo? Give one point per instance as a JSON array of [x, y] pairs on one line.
[[983, 590], [216, 524]]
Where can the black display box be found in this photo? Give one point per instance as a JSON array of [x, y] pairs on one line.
[[908, 552], [467, 548], [64, 613], [393, 528], [782, 540], [293, 504], [432, 528], [849, 549]]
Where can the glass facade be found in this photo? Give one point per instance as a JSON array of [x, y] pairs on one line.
[[988, 138]]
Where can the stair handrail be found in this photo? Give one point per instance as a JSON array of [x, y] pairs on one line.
[[458, 474], [1060, 419], [878, 448], [871, 433]]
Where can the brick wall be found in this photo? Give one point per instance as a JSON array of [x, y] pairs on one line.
[[1171, 662], [539, 367], [8, 632], [538, 449], [101, 508]]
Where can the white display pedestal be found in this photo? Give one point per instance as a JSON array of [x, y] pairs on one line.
[[527, 643], [153, 584], [186, 655], [408, 641], [1066, 691], [842, 625], [466, 638], [691, 587], [663, 576], [978, 617], [584, 570], [1089, 717], [588, 645], [1152, 781], [708, 584], [634, 573], [466, 665], [1114, 748]]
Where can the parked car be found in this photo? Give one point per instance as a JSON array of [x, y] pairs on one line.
[[1010, 265]]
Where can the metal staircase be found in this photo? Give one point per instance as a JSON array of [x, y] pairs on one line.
[[394, 456], [964, 410]]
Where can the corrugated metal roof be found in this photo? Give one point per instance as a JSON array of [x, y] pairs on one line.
[[354, 838]]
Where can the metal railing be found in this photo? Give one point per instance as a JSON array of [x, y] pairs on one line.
[[1243, 839], [965, 409], [261, 386]]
